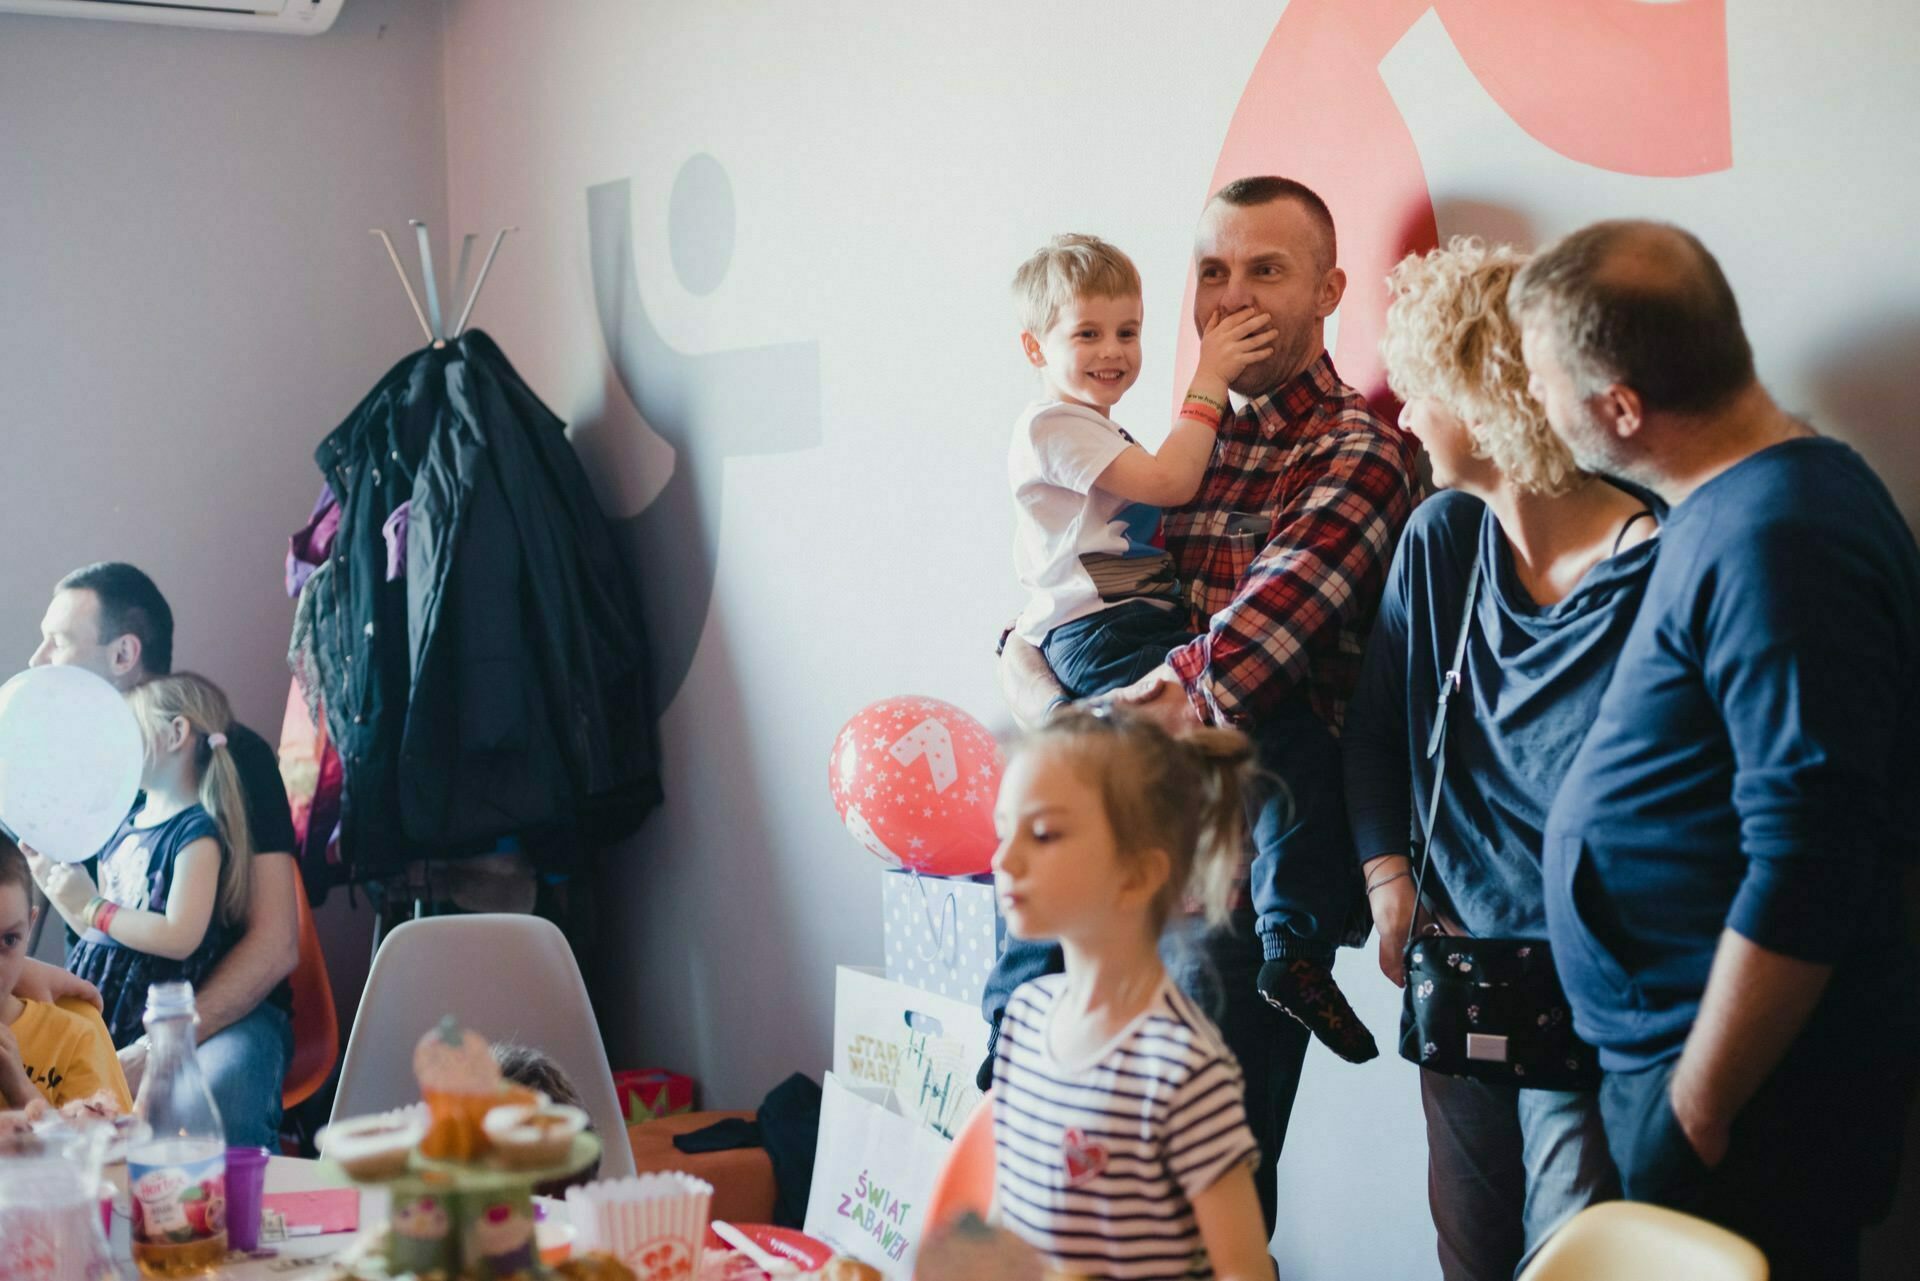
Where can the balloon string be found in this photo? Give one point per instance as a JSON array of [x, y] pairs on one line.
[[943, 925]]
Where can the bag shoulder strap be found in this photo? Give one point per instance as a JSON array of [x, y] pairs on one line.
[[1437, 739]]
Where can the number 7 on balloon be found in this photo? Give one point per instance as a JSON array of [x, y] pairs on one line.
[[931, 739]]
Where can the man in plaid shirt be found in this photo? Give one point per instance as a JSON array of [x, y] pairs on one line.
[[1283, 555]]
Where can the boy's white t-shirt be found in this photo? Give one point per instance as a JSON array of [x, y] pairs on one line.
[[1077, 548]]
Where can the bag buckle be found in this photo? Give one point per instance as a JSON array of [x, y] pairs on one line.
[[1487, 1049]]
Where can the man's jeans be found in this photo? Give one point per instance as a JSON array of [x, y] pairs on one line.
[[1505, 1167], [1813, 1159], [245, 1064]]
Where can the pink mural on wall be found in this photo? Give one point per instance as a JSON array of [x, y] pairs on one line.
[[1632, 86]]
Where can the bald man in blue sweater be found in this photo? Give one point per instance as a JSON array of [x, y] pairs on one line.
[[1725, 859]]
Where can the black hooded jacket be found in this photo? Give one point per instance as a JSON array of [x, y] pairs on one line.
[[499, 688]]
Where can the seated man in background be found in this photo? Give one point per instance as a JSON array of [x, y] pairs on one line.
[[110, 619]]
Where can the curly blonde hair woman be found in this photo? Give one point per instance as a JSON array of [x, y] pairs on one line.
[[1450, 340], [1563, 559]]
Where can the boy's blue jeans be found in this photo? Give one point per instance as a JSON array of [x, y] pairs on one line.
[[1305, 881]]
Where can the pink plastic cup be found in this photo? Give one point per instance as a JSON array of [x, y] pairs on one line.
[[246, 1182]]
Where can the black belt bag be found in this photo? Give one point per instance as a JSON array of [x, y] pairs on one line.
[[1487, 1009]]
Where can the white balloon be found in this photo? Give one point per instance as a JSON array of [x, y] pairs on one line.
[[70, 760]]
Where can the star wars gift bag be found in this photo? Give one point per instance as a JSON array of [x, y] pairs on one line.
[[924, 1047]]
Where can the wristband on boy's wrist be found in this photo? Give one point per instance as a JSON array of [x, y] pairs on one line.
[[1204, 399], [91, 910], [103, 915], [1202, 414]]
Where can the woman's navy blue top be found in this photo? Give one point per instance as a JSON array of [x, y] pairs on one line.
[[1532, 682]]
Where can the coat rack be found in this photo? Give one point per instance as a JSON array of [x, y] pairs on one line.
[[430, 318]]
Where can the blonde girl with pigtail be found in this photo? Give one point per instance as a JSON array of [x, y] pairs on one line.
[[173, 881], [1120, 1129]]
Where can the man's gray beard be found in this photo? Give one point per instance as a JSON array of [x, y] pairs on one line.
[[1283, 366], [1594, 452]]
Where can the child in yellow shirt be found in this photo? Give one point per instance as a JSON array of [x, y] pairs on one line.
[[45, 1051]]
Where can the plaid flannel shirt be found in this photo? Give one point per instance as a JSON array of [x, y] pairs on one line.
[[1284, 551]]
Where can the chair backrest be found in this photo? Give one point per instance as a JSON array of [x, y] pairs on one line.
[[965, 1182], [510, 978], [316, 1023], [1633, 1241]]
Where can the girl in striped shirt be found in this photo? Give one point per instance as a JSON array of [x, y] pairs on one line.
[[1119, 1120]]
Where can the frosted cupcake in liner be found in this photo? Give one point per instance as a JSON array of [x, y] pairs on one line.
[[377, 1146], [656, 1224]]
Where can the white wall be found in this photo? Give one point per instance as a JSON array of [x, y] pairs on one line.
[[889, 164], [189, 301]]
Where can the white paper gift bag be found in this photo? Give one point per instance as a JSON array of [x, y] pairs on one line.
[[923, 1047], [872, 1173], [942, 934]]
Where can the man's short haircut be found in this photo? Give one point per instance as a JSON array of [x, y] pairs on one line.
[[1643, 304], [1246, 193], [129, 605], [1068, 268], [14, 869]]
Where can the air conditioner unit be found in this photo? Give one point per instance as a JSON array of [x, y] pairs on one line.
[[279, 17]]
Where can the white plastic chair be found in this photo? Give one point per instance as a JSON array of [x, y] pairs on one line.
[[1630, 1241], [509, 978]]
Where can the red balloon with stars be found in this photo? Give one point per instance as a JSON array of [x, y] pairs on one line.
[[914, 780]]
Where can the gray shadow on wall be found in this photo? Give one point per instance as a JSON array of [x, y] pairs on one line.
[[709, 406], [682, 944], [1888, 1252], [1495, 223], [700, 924], [1865, 388]]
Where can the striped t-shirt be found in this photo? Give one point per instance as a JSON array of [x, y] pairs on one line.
[[1099, 1162]]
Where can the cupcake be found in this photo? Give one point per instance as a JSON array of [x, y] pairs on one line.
[[532, 1137], [374, 1147], [461, 1083]]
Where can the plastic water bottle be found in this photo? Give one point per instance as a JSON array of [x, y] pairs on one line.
[[177, 1172]]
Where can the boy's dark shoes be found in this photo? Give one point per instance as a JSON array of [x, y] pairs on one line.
[[1305, 990]]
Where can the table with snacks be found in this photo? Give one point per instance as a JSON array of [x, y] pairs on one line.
[[460, 1186], [302, 1201], [445, 1189], [313, 1253]]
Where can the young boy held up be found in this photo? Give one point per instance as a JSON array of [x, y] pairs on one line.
[[1104, 604]]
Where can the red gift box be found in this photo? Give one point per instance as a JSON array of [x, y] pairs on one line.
[[648, 1093]]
